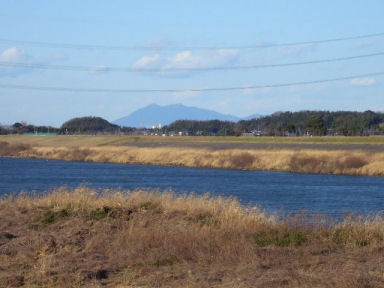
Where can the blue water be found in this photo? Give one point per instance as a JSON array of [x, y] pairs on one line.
[[273, 191]]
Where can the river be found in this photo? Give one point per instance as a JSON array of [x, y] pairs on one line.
[[273, 191]]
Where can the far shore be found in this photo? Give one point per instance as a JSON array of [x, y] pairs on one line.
[[347, 158]]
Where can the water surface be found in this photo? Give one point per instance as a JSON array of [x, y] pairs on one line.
[[274, 191]]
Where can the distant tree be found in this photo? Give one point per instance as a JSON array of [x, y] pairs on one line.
[[18, 127], [4, 130], [316, 122], [89, 125], [316, 126], [290, 128]]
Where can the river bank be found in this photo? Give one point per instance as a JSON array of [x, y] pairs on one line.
[[71, 238], [346, 162]]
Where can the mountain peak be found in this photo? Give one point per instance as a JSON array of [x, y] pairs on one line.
[[155, 114]]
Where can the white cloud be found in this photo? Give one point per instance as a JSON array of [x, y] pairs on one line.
[[146, 61], [56, 57], [367, 81], [17, 55], [13, 55], [100, 68], [200, 59], [182, 57], [185, 60]]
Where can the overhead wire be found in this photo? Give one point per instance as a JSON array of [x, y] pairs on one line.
[[154, 47], [97, 90], [177, 69]]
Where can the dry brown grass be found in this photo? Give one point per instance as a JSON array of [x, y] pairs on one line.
[[7, 149], [350, 162], [138, 238], [303, 161]]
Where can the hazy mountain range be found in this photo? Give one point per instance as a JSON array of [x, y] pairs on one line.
[[155, 114]]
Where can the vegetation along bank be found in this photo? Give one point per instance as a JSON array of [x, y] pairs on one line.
[[79, 238], [113, 150]]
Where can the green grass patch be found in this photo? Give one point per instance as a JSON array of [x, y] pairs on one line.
[[99, 213], [145, 205], [51, 217], [280, 238]]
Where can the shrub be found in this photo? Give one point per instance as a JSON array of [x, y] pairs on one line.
[[353, 162], [7, 149], [243, 160]]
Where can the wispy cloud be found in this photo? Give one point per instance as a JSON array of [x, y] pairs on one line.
[[199, 59], [186, 59], [158, 43], [13, 54], [146, 61], [367, 43], [17, 55], [367, 81], [297, 50], [100, 68]]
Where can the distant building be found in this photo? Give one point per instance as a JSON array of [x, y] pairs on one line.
[[253, 133], [247, 134], [376, 133], [157, 126]]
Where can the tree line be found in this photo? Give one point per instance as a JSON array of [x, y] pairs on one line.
[[301, 123], [316, 123]]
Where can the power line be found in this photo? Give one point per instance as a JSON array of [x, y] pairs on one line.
[[151, 47], [90, 90], [127, 69]]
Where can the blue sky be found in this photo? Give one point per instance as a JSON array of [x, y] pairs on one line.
[[184, 24]]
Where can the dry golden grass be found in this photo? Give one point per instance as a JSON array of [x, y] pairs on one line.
[[109, 149], [81, 238], [303, 161]]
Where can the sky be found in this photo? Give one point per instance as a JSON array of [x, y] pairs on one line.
[[166, 35]]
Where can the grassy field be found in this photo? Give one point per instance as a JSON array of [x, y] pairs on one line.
[[351, 162], [153, 239]]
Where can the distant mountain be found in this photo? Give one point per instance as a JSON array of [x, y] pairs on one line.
[[155, 114]]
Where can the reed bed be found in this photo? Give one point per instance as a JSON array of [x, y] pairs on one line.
[[112, 238], [349, 162]]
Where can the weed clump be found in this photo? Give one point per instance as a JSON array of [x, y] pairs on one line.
[[352, 161]]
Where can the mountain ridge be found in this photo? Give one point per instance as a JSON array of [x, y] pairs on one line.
[[154, 114]]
